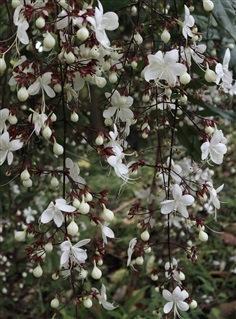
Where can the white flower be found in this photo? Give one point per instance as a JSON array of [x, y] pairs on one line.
[[102, 297], [175, 300], [74, 172], [38, 120], [222, 72], [54, 212], [179, 202], [4, 113], [115, 161], [120, 106], [171, 269], [102, 22], [130, 251], [194, 52], [73, 253], [175, 170], [216, 148], [42, 83], [213, 196], [29, 214], [164, 66], [106, 232], [187, 24], [22, 25], [8, 146]]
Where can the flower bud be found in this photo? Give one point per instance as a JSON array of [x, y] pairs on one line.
[[53, 117], [70, 57], [193, 304], [48, 247], [84, 207], [74, 117], [108, 215], [12, 119], [185, 78], [181, 276], [147, 250], [139, 260], [38, 271], [138, 38], [82, 34], [108, 122], [3, 65], [134, 64], [210, 75], [183, 99], [209, 130], [96, 273], [145, 235], [54, 182], [146, 98], [154, 277], [208, 5], [22, 94], [55, 276], [76, 203], [94, 52], [165, 36], [15, 3], [25, 175], [113, 77], [57, 148], [99, 140], [54, 303], [40, 22], [20, 235], [57, 88], [28, 183], [88, 197], [47, 132], [202, 236], [72, 228], [83, 274], [100, 81], [49, 42], [87, 303]]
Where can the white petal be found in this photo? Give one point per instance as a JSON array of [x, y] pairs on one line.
[[66, 245], [168, 306], [167, 294], [47, 215], [66, 208], [58, 218], [82, 243], [108, 232], [64, 257], [182, 305], [177, 191], [167, 206], [187, 200]]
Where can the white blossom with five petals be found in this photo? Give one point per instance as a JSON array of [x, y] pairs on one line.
[[54, 212], [101, 22], [164, 66], [179, 202], [73, 253], [216, 148], [7, 146], [175, 300], [102, 297]]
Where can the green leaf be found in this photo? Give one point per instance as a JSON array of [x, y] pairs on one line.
[[111, 5], [224, 15], [213, 109]]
